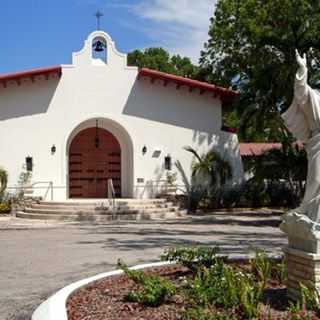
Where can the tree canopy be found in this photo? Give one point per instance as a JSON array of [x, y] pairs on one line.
[[251, 47], [159, 59]]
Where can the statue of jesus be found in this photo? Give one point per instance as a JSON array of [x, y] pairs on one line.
[[303, 121]]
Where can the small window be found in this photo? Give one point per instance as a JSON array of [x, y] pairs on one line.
[[99, 51]]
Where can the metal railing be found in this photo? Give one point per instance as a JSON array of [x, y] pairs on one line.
[[50, 188], [32, 187], [111, 194]]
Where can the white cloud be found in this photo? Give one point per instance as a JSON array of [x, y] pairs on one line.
[[181, 26]]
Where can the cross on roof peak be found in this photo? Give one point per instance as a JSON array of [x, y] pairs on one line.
[[98, 15]]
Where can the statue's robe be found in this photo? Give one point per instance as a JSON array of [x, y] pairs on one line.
[[303, 121]]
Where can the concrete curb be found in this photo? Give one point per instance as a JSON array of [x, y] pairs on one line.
[[54, 308]]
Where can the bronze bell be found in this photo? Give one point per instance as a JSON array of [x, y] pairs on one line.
[[99, 46]]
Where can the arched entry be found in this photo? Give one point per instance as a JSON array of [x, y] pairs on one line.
[[94, 157]]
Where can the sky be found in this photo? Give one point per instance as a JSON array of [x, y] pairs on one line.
[[41, 33]]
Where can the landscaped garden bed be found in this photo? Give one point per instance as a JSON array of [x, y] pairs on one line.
[[201, 286]]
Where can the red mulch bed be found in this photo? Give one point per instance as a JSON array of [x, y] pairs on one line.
[[105, 300]]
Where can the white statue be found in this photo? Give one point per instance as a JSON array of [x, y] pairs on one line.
[[303, 121]]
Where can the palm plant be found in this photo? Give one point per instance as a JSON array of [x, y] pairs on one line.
[[212, 169], [194, 191]]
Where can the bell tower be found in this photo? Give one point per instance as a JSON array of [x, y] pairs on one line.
[[99, 51]]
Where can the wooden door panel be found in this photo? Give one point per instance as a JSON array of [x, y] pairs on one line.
[[91, 167]]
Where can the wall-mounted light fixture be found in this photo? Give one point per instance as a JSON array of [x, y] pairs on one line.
[[29, 163], [168, 162], [144, 150], [53, 149]]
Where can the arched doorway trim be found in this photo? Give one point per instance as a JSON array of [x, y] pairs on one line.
[[126, 145]]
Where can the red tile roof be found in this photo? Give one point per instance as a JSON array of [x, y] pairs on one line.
[[5, 78], [257, 149], [192, 84]]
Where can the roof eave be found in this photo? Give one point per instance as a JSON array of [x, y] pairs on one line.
[[223, 93], [30, 74]]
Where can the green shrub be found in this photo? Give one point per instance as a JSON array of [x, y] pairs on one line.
[[231, 195], [206, 314], [3, 180], [225, 287], [192, 257], [155, 290], [296, 312], [261, 267], [280, 272], [5, 208], [310, 297]]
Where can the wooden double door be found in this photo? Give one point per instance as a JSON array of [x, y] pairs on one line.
[[94, 157]]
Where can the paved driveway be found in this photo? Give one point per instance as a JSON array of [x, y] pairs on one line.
[[37, 259]]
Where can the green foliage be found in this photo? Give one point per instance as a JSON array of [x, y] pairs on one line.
[[211, 165], [261, 267], [251, 47], [192, 257], [288, 163], [5, 208], [310, 297], [155, 290], [3, 180], [280, 272], [255, 193], [159, 59], [217, 290], [213, 171], [201, 313], [194, 190], [297, 312], [171, 178], [308, 304], [24, 178], [225, 287]]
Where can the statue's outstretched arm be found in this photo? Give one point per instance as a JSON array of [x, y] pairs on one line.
[[301, 86]]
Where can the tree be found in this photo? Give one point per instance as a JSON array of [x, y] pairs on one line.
[[289, 164], [251, 47], [159, 59]]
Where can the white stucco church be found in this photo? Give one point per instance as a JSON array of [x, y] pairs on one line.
[[76, 126]]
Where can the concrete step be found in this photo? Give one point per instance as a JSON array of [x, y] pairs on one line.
[[101, 208], [104, 202], [100, 218], [97, 212]]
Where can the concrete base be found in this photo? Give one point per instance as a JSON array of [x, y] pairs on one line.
[[303, 267], [304, 245]]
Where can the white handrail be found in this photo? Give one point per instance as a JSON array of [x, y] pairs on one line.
[[49, 187], [111, 192], [32, 186]]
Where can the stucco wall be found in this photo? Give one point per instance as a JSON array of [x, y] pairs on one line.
[[36, 115]]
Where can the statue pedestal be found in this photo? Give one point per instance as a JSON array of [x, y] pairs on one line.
[[303, 268], [303, 253]]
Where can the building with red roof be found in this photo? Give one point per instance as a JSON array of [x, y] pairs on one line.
[[75, 127]]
